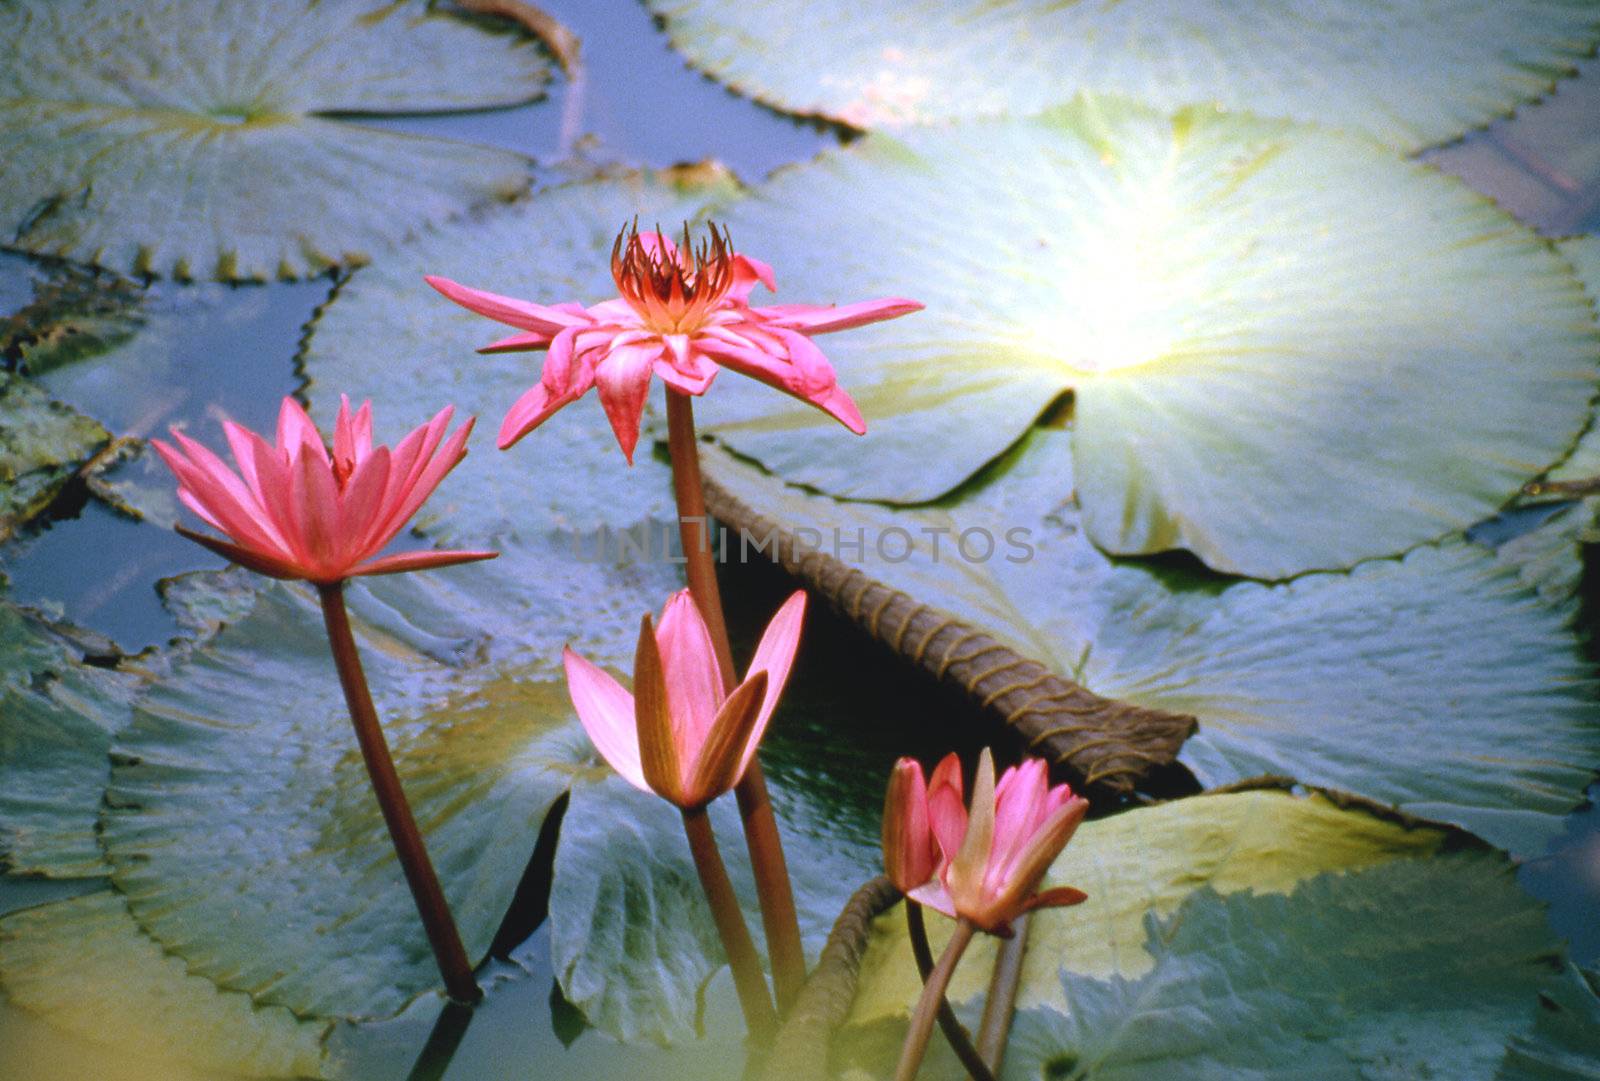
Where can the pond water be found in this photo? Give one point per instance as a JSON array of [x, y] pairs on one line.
[[636, 105]]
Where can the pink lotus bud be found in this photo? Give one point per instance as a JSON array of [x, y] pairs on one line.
[[681, 734]]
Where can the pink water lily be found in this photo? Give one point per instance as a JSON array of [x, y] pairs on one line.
[[296, 511], [993, 858], [682, 733], [682, 313]]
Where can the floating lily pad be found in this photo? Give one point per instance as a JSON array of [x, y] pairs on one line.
[[1412, 73], [1584, 463], [189, 139], [42, 445], [1398, 680], [240, 822], [76, 312], [1565, 1042], [83, 966], [387, 336], [1227, 936], [57, 719], [1287, 348]]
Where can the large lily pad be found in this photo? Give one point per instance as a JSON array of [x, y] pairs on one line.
[[42, 445], [57, 719], [1444, 682], [1412, 73], [1584, 463], [387, 336], [84, 967], [1287, 348], [196, 139], [240, 824], [1565, 1042], [1233, 935]]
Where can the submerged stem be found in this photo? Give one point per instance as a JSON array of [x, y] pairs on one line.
[[736, 942], [437, 921], [927, 1010], [953, 1030], [779, 920]]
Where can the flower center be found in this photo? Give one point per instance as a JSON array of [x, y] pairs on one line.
[[673, 290]]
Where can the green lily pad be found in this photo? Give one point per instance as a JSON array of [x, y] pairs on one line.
[[1584, 462], [181, 138], [239, 820], [84, 967], [1411, 73], [57, 720], [1443, 682], [388, 336], [1564, 1044], [1234, 935], [76, 312], [1287, 348], [42, 445]]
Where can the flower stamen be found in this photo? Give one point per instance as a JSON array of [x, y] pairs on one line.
[[672, 289]]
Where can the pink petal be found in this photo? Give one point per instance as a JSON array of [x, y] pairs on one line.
[[606, 710], [775, 652], [623, 380], [259, 562], [186, 497], [936, 897], [317, 500], [826, 318], [691, 375], [564, 379], [361, 504], [746, 273], [445, 459], [780, 372], [230, 502], [1019, 804], [244, 455], [277, 493], [518, 313], [695, 691], [947, 810], [839, 405], [344, 436], [296, 432], [417, 561], [517, 343]]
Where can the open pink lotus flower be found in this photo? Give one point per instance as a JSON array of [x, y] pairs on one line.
[[682, 314], [992, 860], [682, 734], [294, 511]]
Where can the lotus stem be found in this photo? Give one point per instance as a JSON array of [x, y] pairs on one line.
[[995, 1028], [420, 876], [954, 1032], [779, 920], [736, 941], [927, 1010]]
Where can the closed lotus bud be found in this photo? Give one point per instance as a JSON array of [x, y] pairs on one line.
[[910, 851]]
